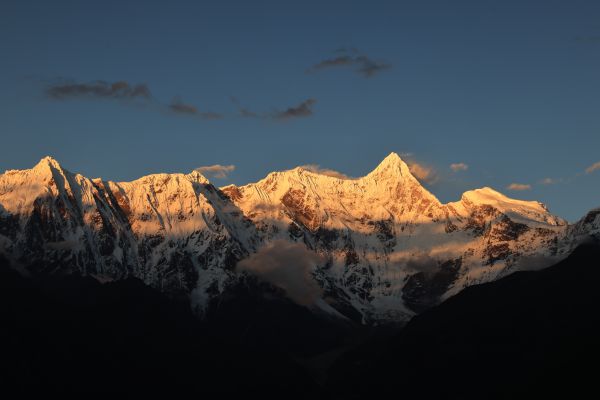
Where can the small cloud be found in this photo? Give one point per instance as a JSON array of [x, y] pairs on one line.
[[422, 172], [548, 181], [592, 168], [456, 167], [324, 171], [177, 106], [518, 186], [302, 110], [120, 90], [217, 171], [361, 64]]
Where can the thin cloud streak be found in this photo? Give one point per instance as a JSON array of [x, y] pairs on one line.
[[362, 64], [177, 106], [302, 110], [120, 90]]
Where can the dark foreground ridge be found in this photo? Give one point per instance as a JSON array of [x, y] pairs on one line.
[[73, 334], [529, 335]]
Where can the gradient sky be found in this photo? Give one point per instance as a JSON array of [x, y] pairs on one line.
[[510, 88]]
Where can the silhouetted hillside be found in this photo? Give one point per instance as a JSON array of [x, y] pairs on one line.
[[66, 333], [529, 335]]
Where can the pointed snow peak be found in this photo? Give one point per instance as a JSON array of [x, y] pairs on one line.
[[392, 167], [48, 161], [198, 177], [392, 159], [47, 166]]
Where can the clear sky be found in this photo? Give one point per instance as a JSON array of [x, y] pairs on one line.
[[509, 88]]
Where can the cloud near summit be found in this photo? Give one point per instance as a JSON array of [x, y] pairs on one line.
[[422, 172], [316, 168], [216, 171]]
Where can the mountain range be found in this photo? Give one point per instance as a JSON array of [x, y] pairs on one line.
[[375, 250]]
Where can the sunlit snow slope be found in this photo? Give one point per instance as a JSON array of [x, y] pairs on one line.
[[386, 247]]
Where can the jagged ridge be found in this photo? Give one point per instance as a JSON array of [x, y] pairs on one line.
[[388, 247]]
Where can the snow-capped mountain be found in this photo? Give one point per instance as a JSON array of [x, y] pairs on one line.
[[381, 247]]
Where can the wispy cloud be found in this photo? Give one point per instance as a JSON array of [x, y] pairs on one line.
[[519, 186], [119, 90], [324, 171], [177, 106], [456, 167], [340, 61], [361, 64], [217, 171], [592, 168], [123, 91], [304, 109]]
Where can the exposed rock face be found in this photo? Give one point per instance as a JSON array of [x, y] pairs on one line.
[[389, 247]]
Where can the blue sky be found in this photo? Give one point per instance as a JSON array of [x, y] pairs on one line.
[[510, 88]]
